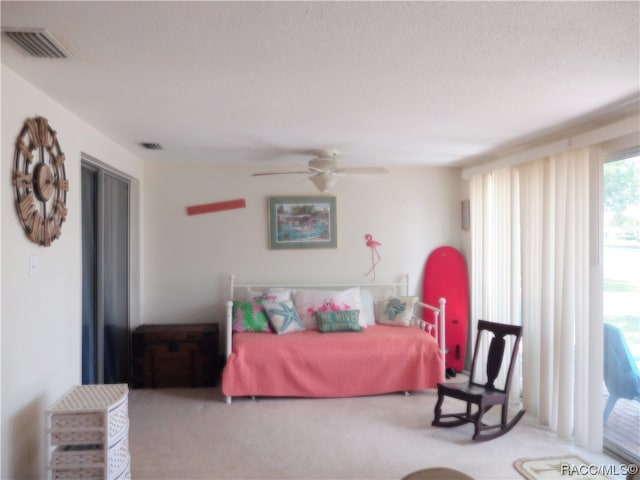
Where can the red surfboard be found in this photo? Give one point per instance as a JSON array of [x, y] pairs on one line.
[[445, 275]]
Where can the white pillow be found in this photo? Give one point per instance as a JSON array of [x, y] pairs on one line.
[[272, 296], [280, 294], [396, 311], [366, 296], [308, 302]]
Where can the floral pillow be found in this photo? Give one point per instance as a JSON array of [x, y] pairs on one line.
[[283, 317], [396, 311], [308, 302], [249, 317], [248, 314]]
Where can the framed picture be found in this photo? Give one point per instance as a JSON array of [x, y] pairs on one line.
[[302, 222], [465, 215]]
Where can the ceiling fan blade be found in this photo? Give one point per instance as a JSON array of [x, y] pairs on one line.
[[318, 171], [279, 173], [362, 170]]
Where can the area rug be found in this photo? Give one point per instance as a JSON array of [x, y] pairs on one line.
[[565, 467]]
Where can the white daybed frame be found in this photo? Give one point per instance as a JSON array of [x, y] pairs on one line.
[[436, 326]]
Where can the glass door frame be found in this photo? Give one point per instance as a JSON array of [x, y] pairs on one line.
[[612, 155], [101, 171]]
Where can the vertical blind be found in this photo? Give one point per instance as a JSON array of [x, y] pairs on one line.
[[530, 266]]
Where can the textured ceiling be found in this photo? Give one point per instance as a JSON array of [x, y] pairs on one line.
[[383, 82]]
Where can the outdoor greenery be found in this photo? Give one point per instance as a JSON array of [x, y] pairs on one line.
[[628, 323], [611, 285], [622, 253], [622, 198]]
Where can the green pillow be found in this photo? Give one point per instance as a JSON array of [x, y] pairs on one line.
[[249, 317], [338, 321]]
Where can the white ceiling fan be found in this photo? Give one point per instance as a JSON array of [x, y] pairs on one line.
[[324, 171]]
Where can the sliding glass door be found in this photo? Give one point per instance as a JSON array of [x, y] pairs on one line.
[[621, 267], [105, 259]]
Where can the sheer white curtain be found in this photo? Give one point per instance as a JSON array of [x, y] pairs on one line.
[[530, 265]]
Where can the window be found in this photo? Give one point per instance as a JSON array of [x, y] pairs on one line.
[[621, 305]]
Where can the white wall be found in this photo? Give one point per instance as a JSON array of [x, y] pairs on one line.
[[181, 276], [1, 186], [41, 314], [187, 259]]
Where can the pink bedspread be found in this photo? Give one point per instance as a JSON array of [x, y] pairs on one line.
[[380, 359]]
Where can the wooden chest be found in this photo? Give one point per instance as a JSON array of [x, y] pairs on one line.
[[176, 355]]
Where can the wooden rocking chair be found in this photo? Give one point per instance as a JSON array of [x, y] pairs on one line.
[[487, 395]]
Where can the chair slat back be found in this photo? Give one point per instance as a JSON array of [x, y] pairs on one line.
[[494, 360], [495, 354]]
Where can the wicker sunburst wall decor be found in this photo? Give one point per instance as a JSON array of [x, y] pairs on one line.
[[40, 181]]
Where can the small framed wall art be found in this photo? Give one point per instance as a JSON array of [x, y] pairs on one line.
[[465, 215], [302, 222]]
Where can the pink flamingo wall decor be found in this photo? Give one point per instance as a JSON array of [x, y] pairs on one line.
[[375, 256]]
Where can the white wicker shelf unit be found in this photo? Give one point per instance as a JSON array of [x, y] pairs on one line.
[[88, 433]]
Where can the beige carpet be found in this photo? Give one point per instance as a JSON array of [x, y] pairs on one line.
[[193, 434], [556, 468]]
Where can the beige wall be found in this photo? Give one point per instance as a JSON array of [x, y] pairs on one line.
[[41, 314], [180, 274], [2, 186], [410, 211]]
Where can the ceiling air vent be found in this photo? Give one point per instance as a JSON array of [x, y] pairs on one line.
[[37, 43], [152, 146]]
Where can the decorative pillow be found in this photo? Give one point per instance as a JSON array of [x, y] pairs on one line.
[[283, 317], [308, 302], [368, 311], [344, 321], [272, 296], [396, 311], [249, 317], [281, 294]]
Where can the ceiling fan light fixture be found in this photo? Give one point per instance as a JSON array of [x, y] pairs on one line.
[[325, 171], [324, 182]]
